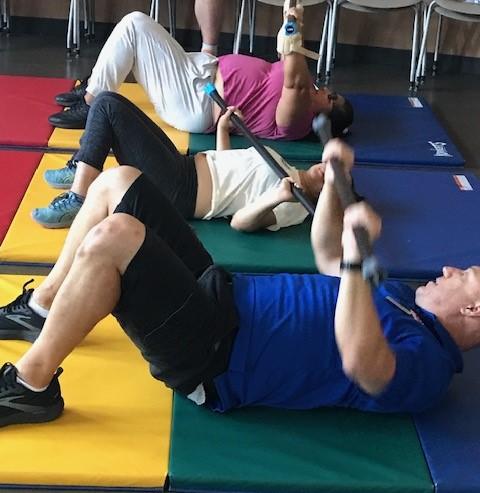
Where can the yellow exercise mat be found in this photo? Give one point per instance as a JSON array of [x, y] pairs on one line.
[[115, 430], [63, 138], [26, 241]]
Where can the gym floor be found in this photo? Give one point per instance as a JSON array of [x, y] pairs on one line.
[[453, 96]]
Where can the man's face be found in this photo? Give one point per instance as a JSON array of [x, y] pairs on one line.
[[450, 294]]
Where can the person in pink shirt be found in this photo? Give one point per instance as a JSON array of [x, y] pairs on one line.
[[278, 100]]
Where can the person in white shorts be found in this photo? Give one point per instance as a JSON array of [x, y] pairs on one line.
[[279, 100]]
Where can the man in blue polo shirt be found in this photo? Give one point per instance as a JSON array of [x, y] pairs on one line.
[[293, 341]]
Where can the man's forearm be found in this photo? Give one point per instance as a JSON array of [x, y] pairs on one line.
[[366, 357], [326, 232]]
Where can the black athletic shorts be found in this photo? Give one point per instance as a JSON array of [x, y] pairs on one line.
[[175, 305]]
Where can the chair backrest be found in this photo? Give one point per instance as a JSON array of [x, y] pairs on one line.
[[381, 4], [460, 6], [280, 3]]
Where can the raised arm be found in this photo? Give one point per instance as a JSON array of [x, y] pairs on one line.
[[327, 225], [297, 82], [366, 356]]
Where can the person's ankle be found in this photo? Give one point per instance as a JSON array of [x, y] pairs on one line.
[[36, 377], [210, 49], [89, 98]]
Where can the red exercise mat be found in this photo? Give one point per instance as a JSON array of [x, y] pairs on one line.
[[16, 171], [25, 105]]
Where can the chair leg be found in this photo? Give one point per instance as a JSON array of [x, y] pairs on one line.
[[70, 39], [172, 17], [154, 10], [323, 42], [252, 4], [414, 48], [423, 46], [331, 40], [437, 46], [238, 34], [5, 16]]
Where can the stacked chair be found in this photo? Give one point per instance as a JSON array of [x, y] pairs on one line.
[[87, 8], [466, 11], [250, 7], [374, 6]]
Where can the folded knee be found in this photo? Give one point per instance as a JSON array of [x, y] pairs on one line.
[[134, 18], [108, 239]]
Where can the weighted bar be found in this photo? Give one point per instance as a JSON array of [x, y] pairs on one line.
[[268, 158], [371, 270]]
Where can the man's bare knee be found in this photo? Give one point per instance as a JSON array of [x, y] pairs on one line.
[[114, 242]]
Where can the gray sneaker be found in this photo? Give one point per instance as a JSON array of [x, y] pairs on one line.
[[60, 213], [61, 178]]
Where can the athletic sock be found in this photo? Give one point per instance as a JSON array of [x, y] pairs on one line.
[[30, 387], [212, 49], [38, 309]]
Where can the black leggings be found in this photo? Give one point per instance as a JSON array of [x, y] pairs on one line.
[[116, 123]]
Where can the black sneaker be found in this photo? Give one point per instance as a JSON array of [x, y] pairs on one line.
[[73, 117], [21, 405], [74, 96], [18, 320]]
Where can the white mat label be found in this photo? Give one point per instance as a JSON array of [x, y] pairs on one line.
[[415, 103], [463, 183]]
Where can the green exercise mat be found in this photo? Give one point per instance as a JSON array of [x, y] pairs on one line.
[[308, 150], [274, 451], [287, 250]]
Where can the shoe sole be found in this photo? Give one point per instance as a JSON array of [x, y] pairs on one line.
[[52, 225], [59, 186], [18, 335], [69, 126], [46, 415]]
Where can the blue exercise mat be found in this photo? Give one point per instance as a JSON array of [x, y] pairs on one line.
[[429, 219], [450, 434], [398, 130]]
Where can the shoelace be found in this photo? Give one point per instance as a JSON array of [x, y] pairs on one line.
[[8, 379], [62, 202], [72, 164], [80, 109], [20, 301]]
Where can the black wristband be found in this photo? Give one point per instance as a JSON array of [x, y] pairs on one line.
[[348, 266]]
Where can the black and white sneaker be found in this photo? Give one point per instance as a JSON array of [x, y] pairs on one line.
[[74, 96], [18, 320], [21, 405]]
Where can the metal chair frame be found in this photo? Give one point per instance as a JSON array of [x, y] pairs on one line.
[[442, 10], [331, 45], [250, 7], [5, 16], [88, 9]]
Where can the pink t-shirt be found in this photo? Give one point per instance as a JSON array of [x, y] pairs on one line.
[[255, 86]]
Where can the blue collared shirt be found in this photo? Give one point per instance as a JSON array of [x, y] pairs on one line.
[[285, 353]]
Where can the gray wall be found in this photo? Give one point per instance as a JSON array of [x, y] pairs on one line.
[[390, 30]]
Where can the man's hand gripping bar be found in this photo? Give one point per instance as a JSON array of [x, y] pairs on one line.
[[371, 271]]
